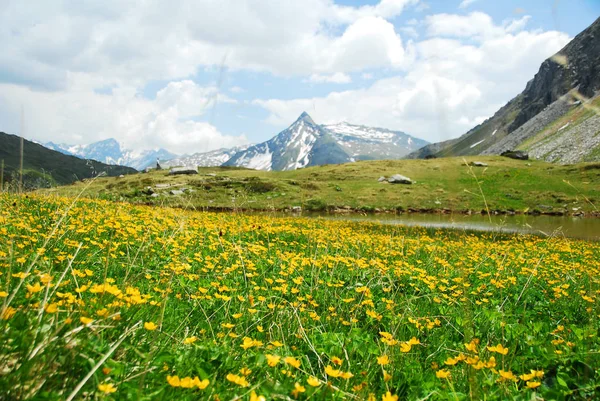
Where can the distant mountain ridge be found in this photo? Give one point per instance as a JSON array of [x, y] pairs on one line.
[[368, 143], [552, 118], [109, 151], [45, 167], [205, 159], [305, 144]]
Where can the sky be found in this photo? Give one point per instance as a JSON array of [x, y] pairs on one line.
[[196, 75]]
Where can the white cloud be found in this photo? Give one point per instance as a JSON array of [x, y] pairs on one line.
[[56, 57], [466, 3], [78, 117], [476, 25], [64, 53], [448, 88], [337, 78]]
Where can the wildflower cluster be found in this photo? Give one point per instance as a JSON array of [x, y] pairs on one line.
[[183, 305]]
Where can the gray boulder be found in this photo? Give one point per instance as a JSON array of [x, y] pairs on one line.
[[148, 191], [183, 170], [478, 164], [515, 154], [382, 179], [175, 192], [296, 209], [399, 179]]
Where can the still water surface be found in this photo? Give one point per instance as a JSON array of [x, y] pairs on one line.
[[567, 226]]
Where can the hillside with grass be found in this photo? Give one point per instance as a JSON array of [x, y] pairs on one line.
[[43, 167], [451, 184]]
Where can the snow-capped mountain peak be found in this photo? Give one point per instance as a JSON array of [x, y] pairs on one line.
[[110, 151], [306, 143], [303, 144], [363, 142]]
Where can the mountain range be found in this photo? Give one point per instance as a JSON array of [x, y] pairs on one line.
[[556, 118], [205, 159], [109, 151], [305, 144], [43, 167]]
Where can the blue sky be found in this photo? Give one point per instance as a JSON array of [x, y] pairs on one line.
[[193, 76]]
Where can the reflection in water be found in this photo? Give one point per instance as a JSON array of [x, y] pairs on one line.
[[575, 227]]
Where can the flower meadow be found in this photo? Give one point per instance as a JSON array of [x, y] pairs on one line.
[[104, 300]]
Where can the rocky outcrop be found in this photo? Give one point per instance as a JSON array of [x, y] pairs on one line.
[[183, 171], [575, 143], [399, 179], [515, 154]]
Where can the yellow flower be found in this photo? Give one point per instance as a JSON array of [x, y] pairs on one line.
[[51, 308], [85, 320], [3, 294], [290, 360], [186, 382], [533, 384], [34, 288], [472, 346], [254, 397], [272, 360], [190, 340], [313, 381], [405, 347], [383, 360], [336, 360], [507, 375], [527, 377], [150, 326], [245, 371], [174, 381], [299, 388], [442, 374], [346, 375], [107, 388], [389, 397], [332, 372], [239, 380], [201, 384], [499, 349], [414, 341]]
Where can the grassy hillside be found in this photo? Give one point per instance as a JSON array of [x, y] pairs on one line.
[[507, 185], [110, 301], [47, 166]]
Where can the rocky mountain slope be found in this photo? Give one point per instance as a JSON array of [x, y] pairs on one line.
[[368, 143], [564, 88], [44, 167], [205, 159], [109, 151], [306, 143]]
